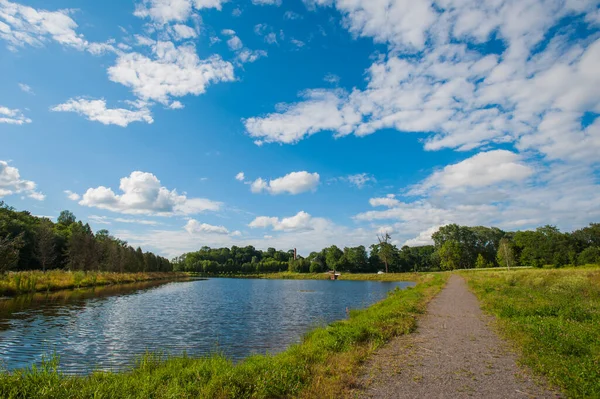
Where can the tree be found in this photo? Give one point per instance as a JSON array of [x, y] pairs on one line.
[[333, 256], [506, 253], [45, 244], [480, 263], [386, 250], [450, 255], [66, 218], [9, 251]]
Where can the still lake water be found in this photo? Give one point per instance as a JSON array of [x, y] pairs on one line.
[[109, 329]]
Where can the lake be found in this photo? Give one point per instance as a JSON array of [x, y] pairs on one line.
[[109, 328]]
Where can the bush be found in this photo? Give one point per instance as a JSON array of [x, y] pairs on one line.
[[589, 255]]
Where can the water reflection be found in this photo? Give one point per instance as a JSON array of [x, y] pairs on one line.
[[107, 328]]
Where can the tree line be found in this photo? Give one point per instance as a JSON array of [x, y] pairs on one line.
[[455, 247], [28, 242]]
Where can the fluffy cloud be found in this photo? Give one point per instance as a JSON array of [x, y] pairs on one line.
[[172, 72], [483, 169], [182, 32], [195, 227], [11, 183], [240, 176], [389, 201], [292, 183], [108, 220], [234, 43], [142, 193], [95, 110], [13, 116], [22, 25], [460, 96], [165, 11], [246, 55], [72, 196], [300, 221]]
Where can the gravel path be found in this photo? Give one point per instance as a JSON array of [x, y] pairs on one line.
[[453, 354]]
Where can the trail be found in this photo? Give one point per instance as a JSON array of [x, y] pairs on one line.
[[453, 354]]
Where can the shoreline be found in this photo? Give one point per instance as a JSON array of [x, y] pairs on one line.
[[14, 284]]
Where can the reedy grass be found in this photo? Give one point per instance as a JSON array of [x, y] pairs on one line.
[[323, 365], [553, 318], [15, 283]]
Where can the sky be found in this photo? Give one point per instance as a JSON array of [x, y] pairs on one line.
[[177, 124]]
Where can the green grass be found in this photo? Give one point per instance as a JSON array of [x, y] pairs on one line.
[[553, 317], [15, 283], [323, 365]]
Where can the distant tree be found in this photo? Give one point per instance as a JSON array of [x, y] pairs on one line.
[[386, 250], [506, 254], [333, 256], [590, 255], [450, 255], [45, 248], [66, 218], [9, 251], [481, 263]]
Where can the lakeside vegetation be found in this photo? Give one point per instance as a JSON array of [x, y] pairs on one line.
[[324, 364], [455, 247], [28, 242], [14, 283], [553, 318]]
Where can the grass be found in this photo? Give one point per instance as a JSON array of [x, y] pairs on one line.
[[323, 365], [553, 317], [15, 283]]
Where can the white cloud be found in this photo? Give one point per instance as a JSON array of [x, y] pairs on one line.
[[195, 227], [95, 110], [72, 196], [142, 193], [228, 32], [108, 220], [389, 201], [483, 169], [13, 116], [26, 88], [174, 72], [11, 183], [297, 43], [291, 15], [240, 176], [271, 38], [300, 221], [459, 96], [267, 2], [246, 55], [24, 25], [176, 105], [182, 32], [359, 180], [423, 238], [234, 43], [236, 12], [165, 11], [292, 183], [332, 78]]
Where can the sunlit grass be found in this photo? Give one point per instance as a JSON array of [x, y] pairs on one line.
[[14, 283], [323, 365], [553, 317]]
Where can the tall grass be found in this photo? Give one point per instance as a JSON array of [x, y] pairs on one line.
[[14, 283], [325, 276], [323, 365], [553, 317]]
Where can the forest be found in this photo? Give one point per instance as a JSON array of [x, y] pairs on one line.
[[455, 247], [28, 242]]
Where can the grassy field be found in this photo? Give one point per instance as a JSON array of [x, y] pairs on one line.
[[553, 317], [14, 283], [323, 365]]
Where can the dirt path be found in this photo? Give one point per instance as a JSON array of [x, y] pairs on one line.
[[453, 354]]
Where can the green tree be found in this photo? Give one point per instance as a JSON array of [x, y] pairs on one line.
[[386, 250], [481, 263], [333, 256], [45, 244], [506, 254], [66, 218], [450, 255], [9, 251]]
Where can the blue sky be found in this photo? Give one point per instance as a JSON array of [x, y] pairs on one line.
[[345, 119]]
